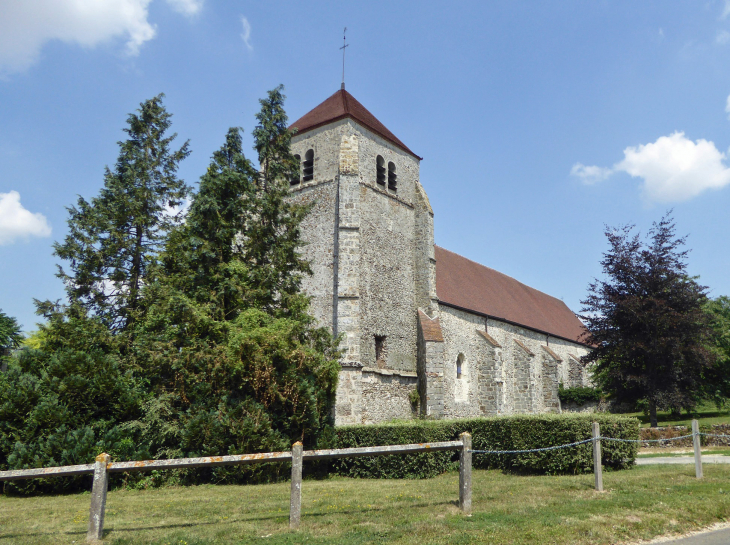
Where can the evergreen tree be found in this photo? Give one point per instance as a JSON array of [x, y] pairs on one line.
[[202, 257], [272, 236], [227, 341], [10, 334], [114, 239], [646, 324], [10, 337]]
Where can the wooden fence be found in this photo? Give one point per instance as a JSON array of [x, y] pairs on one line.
[[103, 466]]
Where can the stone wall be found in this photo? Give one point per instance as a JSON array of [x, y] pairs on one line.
[[506, 369], [386, 395]]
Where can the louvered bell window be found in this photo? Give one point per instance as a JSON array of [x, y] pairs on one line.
[[380, 170], [392, 178], [308, 166]]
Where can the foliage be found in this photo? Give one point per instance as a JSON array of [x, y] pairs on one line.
[[114, 239], [580, 395], [521, 432], [646, 324], [178, 338], [10, 337], [226, 335], [10, 333], [65, 405], [717, 378]]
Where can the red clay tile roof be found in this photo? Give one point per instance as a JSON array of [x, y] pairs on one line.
[[431, 328], [339, 106], [489, 338], [550, 351], [464, 284]]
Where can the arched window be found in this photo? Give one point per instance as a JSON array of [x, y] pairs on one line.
[[392, 178], [296, 176], [308, 166], [459, 363], [380, 170]]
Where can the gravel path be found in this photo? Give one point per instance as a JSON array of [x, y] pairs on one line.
[[708, 459]]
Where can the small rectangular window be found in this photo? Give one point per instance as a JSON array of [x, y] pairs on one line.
[[380, 353]]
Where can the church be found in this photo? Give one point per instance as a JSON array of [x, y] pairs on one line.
[[425, 331]]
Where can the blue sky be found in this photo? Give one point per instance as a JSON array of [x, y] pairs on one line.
[[539, 123]]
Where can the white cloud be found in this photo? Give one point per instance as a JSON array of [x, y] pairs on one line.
[[590, 175], [727, 107], [25, 26], [246, 35], [186, 7], [18, 223], [674, 168], [723, 37], [725, 10]]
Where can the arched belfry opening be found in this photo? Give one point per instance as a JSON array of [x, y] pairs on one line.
[[380, 170], [308, 166], [392, 177]]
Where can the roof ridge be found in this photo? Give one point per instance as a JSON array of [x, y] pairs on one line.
[[345, 102]]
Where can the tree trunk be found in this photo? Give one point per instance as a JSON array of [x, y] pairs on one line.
[[652, 413]]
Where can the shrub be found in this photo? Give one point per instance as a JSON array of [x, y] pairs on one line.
[[580, 395], [522, 432]]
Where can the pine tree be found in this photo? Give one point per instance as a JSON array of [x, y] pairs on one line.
[[646, 324], [114, 239]]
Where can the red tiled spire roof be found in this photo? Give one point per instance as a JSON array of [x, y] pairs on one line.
[[465, 284], [339, 106]]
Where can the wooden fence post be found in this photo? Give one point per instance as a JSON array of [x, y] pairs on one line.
[[465, 473], [597, 467], [295, 503], [698, 452], [98, 498]]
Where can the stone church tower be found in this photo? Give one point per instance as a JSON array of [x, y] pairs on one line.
[[370, 240]]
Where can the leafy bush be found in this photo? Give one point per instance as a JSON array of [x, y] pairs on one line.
[[522, 432], [580, 395], [64, 409]]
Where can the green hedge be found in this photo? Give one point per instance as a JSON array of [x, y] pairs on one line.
[[521, 432], [579, 395]]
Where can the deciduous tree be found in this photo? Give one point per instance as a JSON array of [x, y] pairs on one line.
[[645, 321]]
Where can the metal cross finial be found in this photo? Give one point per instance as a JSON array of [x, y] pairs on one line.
[[345, 44]]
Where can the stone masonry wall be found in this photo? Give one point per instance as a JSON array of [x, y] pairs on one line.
[[518, 375], [386, 395]]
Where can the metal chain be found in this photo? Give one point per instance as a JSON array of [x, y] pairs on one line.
[[532, 450], [568, 445]]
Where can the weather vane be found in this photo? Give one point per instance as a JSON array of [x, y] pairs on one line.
[[344, 45]]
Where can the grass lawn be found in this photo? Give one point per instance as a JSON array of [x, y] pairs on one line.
[[508, 509], [707, 413]]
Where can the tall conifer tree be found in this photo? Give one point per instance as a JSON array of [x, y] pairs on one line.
[[114, 239]]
